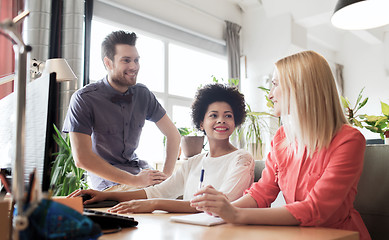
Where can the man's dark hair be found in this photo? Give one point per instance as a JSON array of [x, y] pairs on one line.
[[114, 38], [217, 92]]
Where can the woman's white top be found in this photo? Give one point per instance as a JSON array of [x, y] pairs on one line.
[[231, 174]]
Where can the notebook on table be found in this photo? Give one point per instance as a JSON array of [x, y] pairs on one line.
[[198, 219]]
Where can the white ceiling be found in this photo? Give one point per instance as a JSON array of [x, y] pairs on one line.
[[314, 15]]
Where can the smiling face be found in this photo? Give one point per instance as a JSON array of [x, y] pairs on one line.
[[275, 94], [123, 70], [219, 121]]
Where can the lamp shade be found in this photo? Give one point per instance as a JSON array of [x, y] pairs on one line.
[[360, 14], [61, 67]]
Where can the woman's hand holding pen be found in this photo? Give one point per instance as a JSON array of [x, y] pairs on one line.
[[214, 203]]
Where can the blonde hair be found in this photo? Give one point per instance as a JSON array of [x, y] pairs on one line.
[[311, 111]]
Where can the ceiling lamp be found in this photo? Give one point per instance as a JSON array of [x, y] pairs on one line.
[[360, 14]]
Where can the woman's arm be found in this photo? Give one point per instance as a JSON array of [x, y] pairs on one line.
[[149, 205], [265, 216], [239, 175], [97, 196], [242, 211]]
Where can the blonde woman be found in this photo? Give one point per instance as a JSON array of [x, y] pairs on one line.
[[316, 157]]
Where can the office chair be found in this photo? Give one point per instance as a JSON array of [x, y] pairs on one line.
[[259, 166], [373, 191]]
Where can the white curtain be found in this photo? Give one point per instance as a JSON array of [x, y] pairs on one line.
[[233, 49]]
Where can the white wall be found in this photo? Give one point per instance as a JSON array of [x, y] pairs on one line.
[[364, 66], [266, 39]]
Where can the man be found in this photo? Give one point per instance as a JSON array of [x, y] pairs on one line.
[[105, 119]]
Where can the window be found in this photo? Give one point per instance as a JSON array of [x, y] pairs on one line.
[[189, 68], [171, 70]]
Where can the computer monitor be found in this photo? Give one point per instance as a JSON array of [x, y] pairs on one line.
[[40, 108]]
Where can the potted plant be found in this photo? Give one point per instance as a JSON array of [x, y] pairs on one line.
[[65, 177], [376, 124], [379, 124], [256, 125], [191, 142], [250, 134]]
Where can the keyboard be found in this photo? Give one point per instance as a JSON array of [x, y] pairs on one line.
[[110, 220], [101, 204]]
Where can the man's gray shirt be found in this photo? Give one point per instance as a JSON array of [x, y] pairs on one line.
[[114, 127]]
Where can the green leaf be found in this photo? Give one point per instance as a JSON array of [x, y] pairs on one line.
[[55, 176], [259, 114], [359, 98], [385, 109], [373, 129], [65, 175], [382, 136], [345, 102], [372, 118], [357, 123], [73, 185], [233, 81], [184, 131], [269, 103], [57, 190], [59, 139], [267, 90], [381, 120], [65, 187], [362, 103]]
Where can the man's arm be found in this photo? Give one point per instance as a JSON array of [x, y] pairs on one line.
[[167, 127], [86, 159]]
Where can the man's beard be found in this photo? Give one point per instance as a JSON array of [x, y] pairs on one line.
[[121, 80]]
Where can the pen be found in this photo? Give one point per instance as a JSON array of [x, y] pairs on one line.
[[201, 177]]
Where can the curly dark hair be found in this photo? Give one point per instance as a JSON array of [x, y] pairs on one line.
[[217, 92], [117, 37]]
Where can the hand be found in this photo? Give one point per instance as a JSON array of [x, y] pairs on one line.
[[96, 196], [134, 206], [148, 177], [214, 203]]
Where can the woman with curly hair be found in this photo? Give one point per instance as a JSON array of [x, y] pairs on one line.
[[316, 157], [217, 110]]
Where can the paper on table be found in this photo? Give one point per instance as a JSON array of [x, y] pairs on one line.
[[198, 219]]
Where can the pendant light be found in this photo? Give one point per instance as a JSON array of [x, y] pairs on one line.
[[360, 14]]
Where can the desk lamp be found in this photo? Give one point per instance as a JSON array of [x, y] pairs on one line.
[[360, 14], [62, 69]]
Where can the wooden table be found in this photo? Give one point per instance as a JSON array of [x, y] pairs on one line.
[[157, 226]]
